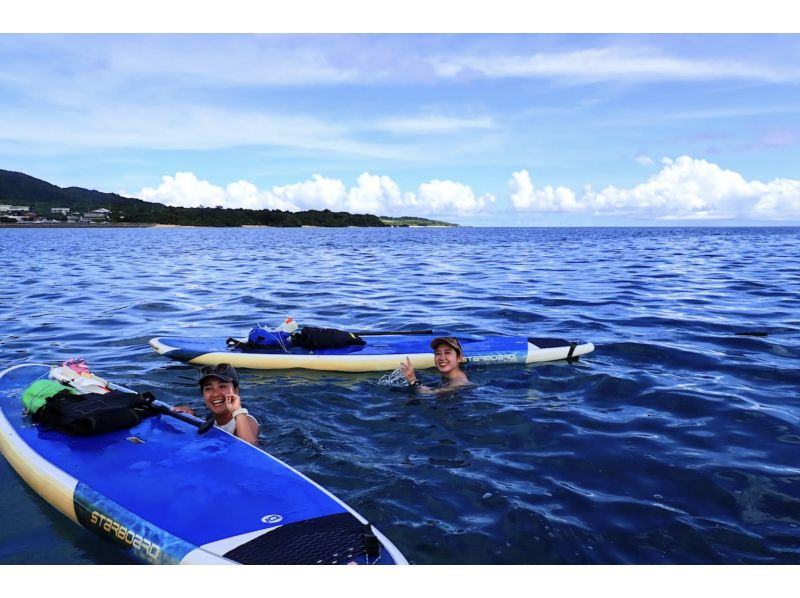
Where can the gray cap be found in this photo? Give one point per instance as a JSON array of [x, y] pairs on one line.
[[223, 371], [447, 340]]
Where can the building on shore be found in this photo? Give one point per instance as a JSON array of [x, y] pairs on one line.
[[9, 210], [101, 214]]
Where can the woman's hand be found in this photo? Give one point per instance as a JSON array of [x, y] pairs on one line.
[[184, 409], [233, 402], [408, 371], [246, 426]]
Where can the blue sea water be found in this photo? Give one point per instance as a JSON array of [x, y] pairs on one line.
[[676, 441]]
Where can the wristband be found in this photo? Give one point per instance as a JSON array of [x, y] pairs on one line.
[[240, 411]]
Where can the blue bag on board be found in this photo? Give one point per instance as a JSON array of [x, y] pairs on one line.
[[261, 338]]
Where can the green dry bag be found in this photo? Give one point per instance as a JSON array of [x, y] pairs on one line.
[[35, 396]]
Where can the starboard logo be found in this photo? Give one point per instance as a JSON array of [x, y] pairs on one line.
[[126, 535], [497, 358], [272, 519]]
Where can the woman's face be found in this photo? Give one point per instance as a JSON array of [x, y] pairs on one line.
[[215, 391], [446, 359]]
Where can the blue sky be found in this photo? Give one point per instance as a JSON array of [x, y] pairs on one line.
[[478, 129]]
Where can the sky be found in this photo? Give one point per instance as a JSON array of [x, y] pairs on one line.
[[491, 129]]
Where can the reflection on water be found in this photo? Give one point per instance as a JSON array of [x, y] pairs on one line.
[[674, 442]]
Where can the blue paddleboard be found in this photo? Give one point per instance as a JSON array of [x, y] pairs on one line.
[[166, 494], [382, 352]]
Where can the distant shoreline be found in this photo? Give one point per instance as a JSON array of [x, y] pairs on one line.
[[77, 225], [585, 227], [153, 225]]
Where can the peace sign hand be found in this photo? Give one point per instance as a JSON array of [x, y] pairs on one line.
[[408, 371]]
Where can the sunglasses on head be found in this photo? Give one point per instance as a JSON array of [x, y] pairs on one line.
[[211, 370]]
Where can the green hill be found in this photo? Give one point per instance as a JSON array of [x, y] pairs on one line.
[[21, 189]]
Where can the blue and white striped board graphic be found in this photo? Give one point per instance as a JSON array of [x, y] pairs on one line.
[[165, 494], [381, 353]]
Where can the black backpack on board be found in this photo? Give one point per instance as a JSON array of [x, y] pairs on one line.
[[94, 413], [311, 338]]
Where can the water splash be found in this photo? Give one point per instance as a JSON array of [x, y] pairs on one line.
[[395, 378]]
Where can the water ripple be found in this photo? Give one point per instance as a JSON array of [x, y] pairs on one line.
[[674, 442]]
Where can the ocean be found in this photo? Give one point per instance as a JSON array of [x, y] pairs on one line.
[[675, 441]]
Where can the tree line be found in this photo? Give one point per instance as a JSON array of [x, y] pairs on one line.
[[218, 216]]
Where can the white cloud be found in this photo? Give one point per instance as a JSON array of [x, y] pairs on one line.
[[229, 60], [317, 194], [181, 127], [381, 195], [525, 197], [377, 195], [777, 200], [185, 190], [433, 125], [644, 160], [446, 197], [684, 189], [374, 194], [602, 64], [243, 194]]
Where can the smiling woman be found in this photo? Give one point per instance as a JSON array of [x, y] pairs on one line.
[[220, 387], [447, 357]]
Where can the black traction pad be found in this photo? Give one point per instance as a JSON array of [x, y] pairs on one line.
[[328, 540]]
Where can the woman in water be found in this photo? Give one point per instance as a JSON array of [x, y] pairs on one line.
[[220, 387], [447, 357]]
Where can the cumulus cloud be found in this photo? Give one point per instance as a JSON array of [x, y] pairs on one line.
[[377, 195], [443, 197], [374, 194], [684, 189], [777, 200], [525, 197], [185, 190], [317, 194]]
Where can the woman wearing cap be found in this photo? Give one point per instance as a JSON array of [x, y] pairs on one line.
[[220, 387], [447, 357]]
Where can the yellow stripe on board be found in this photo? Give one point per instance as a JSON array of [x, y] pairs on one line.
[[329, 363], [49, 482]]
